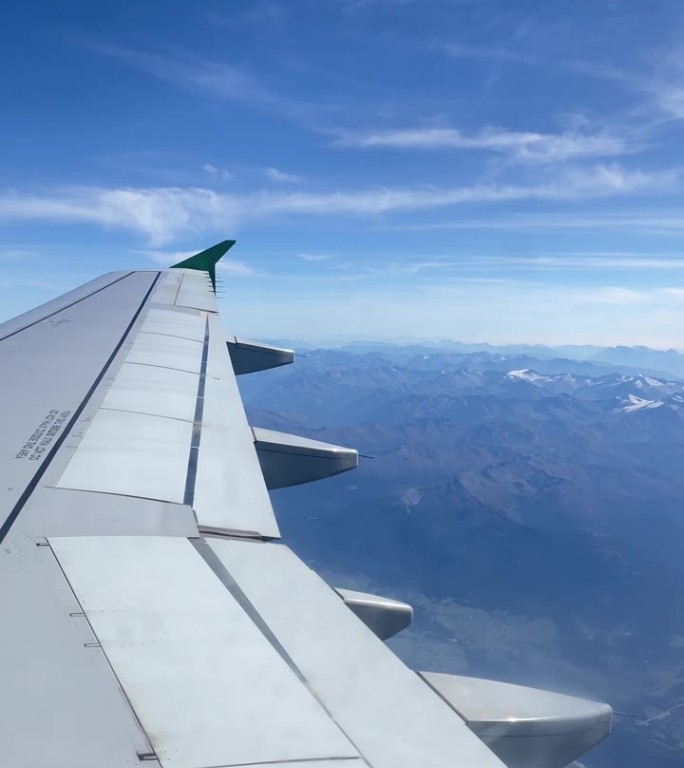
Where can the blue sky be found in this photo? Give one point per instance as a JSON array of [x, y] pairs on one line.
[[485, 170]]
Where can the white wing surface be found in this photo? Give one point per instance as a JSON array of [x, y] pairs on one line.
[[150, 614]]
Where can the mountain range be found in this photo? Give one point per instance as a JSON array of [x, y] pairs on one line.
[[530, 508]]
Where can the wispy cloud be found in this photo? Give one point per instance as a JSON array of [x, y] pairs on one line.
[[216, 172], [615, 295], [588, 262], [611, 261], [162, 213], [489, 53], [666, 85], [353, 6], [658, 84], [618, 295], [234, 267], [660, 81], [216, 79], [468, 264], [661, 90], [315, 256], [273, 174], [16, 254], [521, 146], [654, 223]]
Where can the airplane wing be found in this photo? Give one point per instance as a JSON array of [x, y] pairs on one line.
[[151, 614]]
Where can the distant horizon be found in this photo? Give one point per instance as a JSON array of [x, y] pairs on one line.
[[665, 364], [407, 341]]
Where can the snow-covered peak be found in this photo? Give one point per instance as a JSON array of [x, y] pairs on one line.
[[526, 375], [641, 380], [633, 403]]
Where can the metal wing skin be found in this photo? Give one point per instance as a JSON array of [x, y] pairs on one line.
[[151, 614]]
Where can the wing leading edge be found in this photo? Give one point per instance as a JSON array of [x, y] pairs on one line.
[[152, 615]]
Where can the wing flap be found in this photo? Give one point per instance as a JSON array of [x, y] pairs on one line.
[[61, 704], [392, 717], [172, 427], [196, 292], [166, 351], [208, 687], [137, 389], [230, 491], [166, 322], [167, 288], [132, 454]]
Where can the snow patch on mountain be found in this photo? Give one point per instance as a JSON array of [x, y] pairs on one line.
[[634, 403], [641, 380], [527, 375]]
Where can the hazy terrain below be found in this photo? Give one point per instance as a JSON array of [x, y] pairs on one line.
[[529, 508]]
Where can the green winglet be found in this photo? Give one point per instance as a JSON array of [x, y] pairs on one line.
[[206, 261]]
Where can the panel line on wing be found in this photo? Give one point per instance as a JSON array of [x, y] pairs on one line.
[[142, 413], [171, 335], [155, 365], [180, 282], [68, 427], [312, 761], [191, 477], [223, 574]]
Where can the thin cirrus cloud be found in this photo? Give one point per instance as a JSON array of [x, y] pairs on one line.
[[273, 174], [216, 172], [162, 213], [588, 262], [606, 261], [661, 90], [660, 82], [488, 53], [658, 222], [617, 295], [216, 80], [521, 146]]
